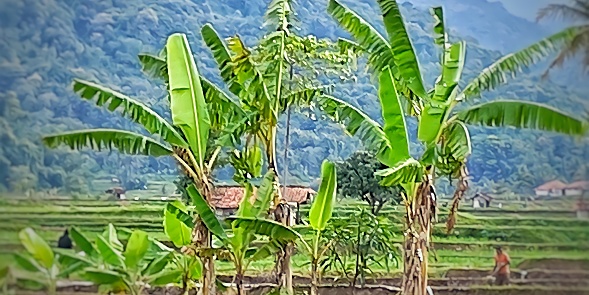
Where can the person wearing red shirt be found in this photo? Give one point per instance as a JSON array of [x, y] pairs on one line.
[[501, 270]]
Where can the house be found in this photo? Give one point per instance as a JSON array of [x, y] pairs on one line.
[[576, 188], [551, 188], [226, 198], [481, 200], [117, 192]]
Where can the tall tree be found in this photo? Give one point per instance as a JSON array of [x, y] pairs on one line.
[[197, 110], [577, 11], [441, 129], [357, 180]]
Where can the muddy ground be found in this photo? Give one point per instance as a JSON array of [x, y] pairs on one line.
[[547, 276]]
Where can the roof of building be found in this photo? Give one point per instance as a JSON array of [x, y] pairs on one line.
[[554, 184], [229, 197], [481, 196], [582, 185]]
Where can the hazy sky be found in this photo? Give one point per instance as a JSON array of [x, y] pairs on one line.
[[528, 8]]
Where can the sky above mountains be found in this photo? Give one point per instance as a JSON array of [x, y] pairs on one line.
[[528, 8]]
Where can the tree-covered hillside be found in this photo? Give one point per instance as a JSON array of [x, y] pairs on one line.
[[45, 44]]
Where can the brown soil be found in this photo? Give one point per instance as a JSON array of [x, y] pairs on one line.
[[555, 264], [369, 289]]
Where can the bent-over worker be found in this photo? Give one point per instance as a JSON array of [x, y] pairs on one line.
[[501, 270]]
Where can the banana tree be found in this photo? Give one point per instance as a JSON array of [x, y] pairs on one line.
[[319, 216], [41, 266], [237, 242], [193, 102], [441, 129], [269, 79]]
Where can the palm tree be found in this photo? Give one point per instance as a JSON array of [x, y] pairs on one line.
[[198, 110], [442, 130], [577, 11]]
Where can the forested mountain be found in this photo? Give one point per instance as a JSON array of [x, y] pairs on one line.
[[45, 44]]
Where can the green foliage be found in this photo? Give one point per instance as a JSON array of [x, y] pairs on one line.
[[269, 228], [247, 164], [37, 247], [187, 101], [129, 268], [103, 44], [356, 179], [136, 110], [41, 267], [522, 114], [322, 207], [394, 127], [82, 242], [99, 139], [407, 172], [497, 73], [435, 112], [319, 216], [364, 237], [177, 231], [379, 51], [404, 56], [206, 214]]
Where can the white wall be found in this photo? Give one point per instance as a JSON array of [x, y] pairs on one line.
[[573, 192], [476, 203], [541, 193], [556, 193]]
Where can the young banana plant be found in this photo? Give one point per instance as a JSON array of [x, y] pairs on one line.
[[245, 228], [131, 268], [40, 266], [319, 216], [180, 235]]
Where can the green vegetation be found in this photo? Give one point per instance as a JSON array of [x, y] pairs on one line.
[[419, 141], [442, 130], [458, 250], [100, 44], [576, 11], [42, 267]]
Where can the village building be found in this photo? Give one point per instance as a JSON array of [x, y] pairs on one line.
[[576, 188], [226, 199], [117, 192], [579, 189], [555, 188], [481, 200]]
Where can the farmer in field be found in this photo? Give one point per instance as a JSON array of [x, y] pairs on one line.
[[501, 270]]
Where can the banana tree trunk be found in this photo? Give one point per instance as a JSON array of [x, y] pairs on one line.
[[239, 281], [201, 236], [282, 214], [201, 239], [461, 188], [420, 213], [315, 276]]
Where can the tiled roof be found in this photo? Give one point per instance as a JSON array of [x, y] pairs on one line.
[[229, 197], [555, 184], [583, 185]]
